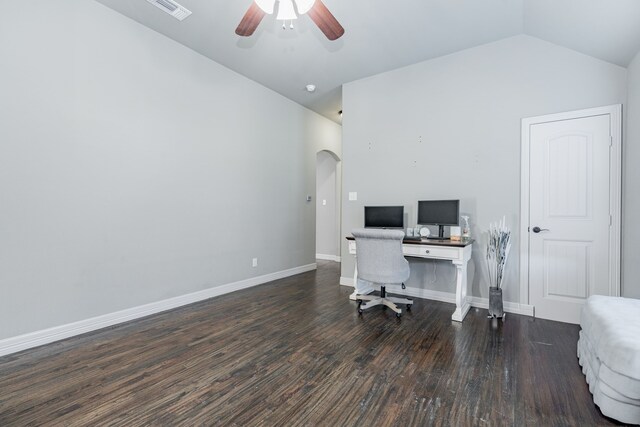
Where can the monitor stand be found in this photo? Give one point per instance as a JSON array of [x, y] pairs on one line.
[[440, 234]]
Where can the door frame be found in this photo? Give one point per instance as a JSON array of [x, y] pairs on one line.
[[615, 191], [338, 205]]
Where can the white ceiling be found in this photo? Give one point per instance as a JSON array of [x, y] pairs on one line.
[[382, 35]]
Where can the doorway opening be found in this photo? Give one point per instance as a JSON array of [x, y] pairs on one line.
[[328, 206]]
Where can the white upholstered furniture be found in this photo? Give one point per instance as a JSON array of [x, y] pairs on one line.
[[380, 261], [609, 353]]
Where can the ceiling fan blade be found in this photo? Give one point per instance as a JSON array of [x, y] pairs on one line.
[[250, 20], [325, 20]]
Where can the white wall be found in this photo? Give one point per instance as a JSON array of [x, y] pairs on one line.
[[327, 205], [631, 178], [450, 128], [129, 165]]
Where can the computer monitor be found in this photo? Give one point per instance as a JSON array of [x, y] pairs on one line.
[[384, 216], [440, 213]]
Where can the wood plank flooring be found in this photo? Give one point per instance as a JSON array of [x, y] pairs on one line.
[[294, 352]]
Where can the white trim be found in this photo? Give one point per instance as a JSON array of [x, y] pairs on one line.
[[449, 297], [410, 291], [615, 190], [422, 293], [46, 336], [346, 281], [524, 212], [326, 257], [509, 307]]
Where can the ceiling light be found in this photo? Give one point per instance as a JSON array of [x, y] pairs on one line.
[[286, 11], [266, 5], [304, 6], [310, 88], [289, 10]]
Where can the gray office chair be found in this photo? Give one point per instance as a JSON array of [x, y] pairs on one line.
[[379, 260]]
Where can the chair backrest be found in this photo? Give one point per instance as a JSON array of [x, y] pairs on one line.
[[379, 256]]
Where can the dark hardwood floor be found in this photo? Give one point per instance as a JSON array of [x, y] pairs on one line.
[[295, 352]]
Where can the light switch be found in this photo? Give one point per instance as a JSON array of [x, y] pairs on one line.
[[353, 195], [324, 202]]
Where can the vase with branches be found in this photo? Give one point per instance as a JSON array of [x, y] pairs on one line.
[[498, 247]]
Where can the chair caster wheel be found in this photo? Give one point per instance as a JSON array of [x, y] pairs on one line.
[[360, 311], [408, 307], [398, 315]]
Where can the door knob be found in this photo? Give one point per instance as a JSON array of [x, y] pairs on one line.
[[537, 229]]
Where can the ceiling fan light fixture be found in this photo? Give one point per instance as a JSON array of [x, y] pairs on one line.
[[304, 6], [286, 12], [267, 6]]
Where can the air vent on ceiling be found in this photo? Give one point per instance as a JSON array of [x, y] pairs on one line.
[[172, 8]]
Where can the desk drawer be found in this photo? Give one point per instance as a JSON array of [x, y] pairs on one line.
[[432, 252]]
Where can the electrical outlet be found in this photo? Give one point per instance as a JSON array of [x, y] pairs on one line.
[[254, 263]]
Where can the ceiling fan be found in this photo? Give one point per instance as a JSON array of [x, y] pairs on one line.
[[317, 11]]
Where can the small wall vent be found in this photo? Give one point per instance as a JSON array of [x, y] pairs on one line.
[[172, 8]]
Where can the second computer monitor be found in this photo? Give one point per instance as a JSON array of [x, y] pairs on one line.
[[440, 213]]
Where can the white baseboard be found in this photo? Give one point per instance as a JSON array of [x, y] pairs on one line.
[[409, 291], [424, 293], [478, 302], [57, 333], [509, 307], [346, 281], [326, 257]]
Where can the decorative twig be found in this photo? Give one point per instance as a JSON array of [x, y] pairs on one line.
[[498, 247]]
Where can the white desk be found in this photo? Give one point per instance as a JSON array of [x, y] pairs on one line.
[[459, 253]]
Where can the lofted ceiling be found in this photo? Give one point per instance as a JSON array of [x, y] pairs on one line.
[[382, 35]]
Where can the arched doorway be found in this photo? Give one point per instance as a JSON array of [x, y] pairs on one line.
[[328, 197]]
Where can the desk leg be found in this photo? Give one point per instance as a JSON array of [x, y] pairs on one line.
[[462, 305], [352, 297]]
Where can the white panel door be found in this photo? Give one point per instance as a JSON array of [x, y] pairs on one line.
[[569, 215]]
